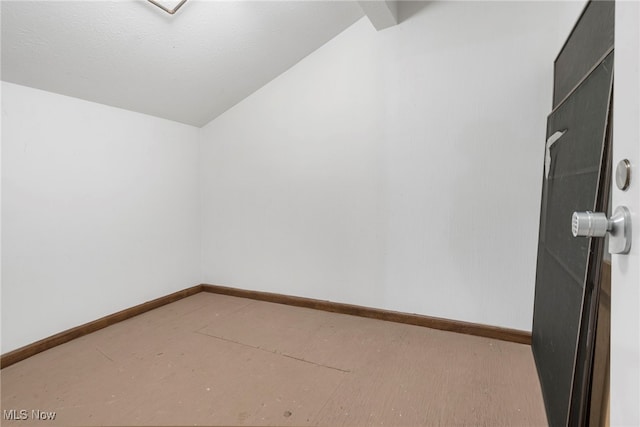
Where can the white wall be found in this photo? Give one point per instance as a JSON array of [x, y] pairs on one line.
[[100, 211], [398, 169], [368, 173]]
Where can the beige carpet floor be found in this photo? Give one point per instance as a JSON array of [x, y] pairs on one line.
[[218, 360]]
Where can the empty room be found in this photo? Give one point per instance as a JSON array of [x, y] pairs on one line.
[[322, 213]]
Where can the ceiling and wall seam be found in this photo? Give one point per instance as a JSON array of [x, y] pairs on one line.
[[189, 67]]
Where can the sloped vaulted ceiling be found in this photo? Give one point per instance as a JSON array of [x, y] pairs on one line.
[[189, 67]]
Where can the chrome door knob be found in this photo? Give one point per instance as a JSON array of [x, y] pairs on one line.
[[589, 224], [596, 224]]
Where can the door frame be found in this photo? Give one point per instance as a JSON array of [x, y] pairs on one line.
[[625, 269]]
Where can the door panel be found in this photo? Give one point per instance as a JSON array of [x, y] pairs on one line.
[[589, 42], [577, 159]]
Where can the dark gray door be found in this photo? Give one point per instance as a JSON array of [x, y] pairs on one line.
[[575, 179]]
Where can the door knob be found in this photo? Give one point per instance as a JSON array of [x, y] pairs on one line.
[[596, 224]]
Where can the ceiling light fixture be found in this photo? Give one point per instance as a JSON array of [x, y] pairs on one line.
[[169, 11]]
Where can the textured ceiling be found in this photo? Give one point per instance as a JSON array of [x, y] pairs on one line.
[[189, 67]]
